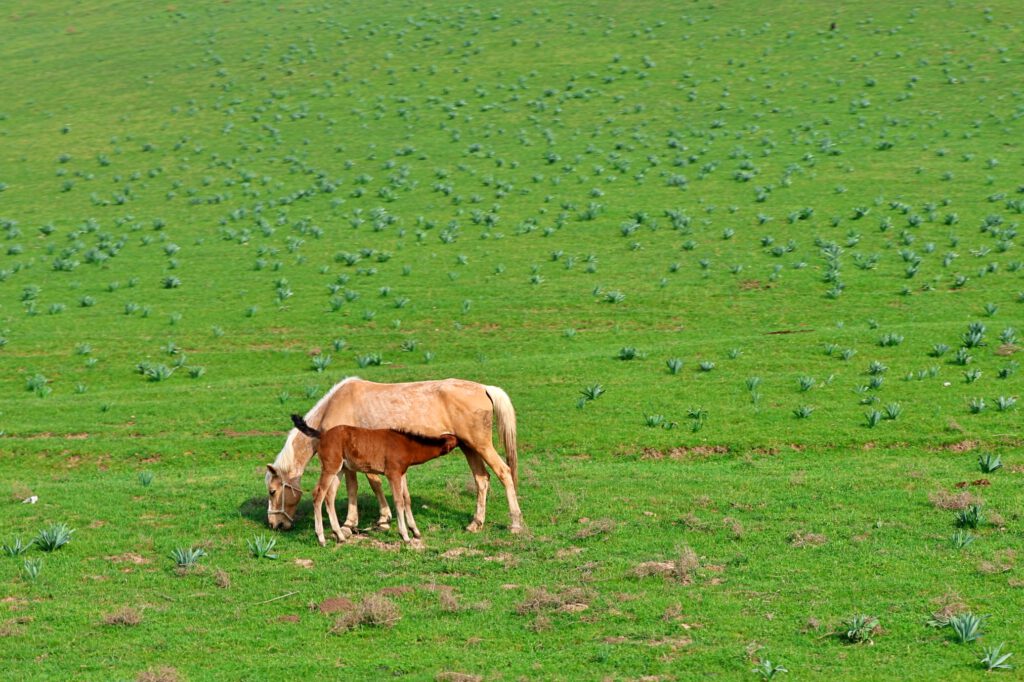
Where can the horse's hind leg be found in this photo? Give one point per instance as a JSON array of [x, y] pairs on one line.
[[483, 482], [384, 520], [504, 474]]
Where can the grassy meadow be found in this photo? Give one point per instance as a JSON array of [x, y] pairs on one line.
[[749, 276]]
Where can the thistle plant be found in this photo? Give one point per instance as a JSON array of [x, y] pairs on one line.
[[54, 537], [873, 417], [938, 350], [654, 420], [674, 365], [967, 626], [969, 517], [705, 365], [989, 463], [993, 658], [806, 383], [753, 383], [972, 375], [890, 339], [803, 412], [187, 558], [962, 357], [976, 405], [629, 353], [876, 368], [261, 546], [892, 411]]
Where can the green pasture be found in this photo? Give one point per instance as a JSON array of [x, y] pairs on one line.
[[749, 274]]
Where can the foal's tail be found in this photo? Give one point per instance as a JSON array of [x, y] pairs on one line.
[[305, 428], [506, 415]]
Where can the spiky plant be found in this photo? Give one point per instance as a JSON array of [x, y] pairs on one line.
[[969, 517], [592, 392], [16, 548], [962, 357], [187, 558], [654, 420], [988, 462], [938, 350], [320, 362], [803, 412], [30, 568], [976, 405], [261, 546], [767, 670], [1004, 403], [674, 365], [873, 417], [993, 658], [860, 628], [806, 383], [961, 538], [53, 537], [967, 626], [876, 368], [893, 410], [145, 478], [705, 365]]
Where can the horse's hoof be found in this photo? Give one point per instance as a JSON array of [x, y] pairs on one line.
[[416, 534], [516, 530], [342, 535], [322, 541], [382, 526], [474, 526]]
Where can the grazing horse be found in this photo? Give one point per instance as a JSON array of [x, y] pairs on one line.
[[463, 408], [371, 451]]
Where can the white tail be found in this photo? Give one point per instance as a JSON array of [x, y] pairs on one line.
[[506, 416]]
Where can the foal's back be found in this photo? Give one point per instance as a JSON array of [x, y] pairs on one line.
[[377, 450]]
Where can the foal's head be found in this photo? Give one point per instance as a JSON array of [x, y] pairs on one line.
[[283, 495]]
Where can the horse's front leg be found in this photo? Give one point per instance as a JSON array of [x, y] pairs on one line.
[[339, 532], [398, 492], [384, 520], [408, 508], [352, 487]]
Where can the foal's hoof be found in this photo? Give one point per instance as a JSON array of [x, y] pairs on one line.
[[474, 526], [516, 530], [344, 534], [322, 541], [382, 525], [416, 533]]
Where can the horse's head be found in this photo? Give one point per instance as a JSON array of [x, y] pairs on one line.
[[283, 495]]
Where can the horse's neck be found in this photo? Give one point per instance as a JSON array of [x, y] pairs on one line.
[[301, 454]]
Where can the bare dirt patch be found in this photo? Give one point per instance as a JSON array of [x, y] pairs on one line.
[[373, 611], [539, 600], [304, 563], [596, 527], [458, 552], [288, 618], [396, 591], [335, 604], [128, 558], [449, 676], [962, 446]]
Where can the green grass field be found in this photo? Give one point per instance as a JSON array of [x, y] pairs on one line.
[[782, 242]]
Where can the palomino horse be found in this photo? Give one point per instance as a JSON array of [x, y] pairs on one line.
[[463, 408], [372, 451]]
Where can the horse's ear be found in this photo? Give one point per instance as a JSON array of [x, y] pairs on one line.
[[272, 470]]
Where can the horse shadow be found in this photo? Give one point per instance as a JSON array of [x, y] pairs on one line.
[[435, 512]]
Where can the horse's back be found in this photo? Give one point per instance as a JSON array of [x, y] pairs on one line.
[[424, 407]]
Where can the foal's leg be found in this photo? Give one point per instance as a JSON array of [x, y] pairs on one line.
[[340, 533], [504, 474], [398, 492], [318, 500], [483, 481], [352, 487], [408, 507], [384, 520]]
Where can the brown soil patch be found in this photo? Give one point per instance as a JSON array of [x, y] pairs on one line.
[[335, 604], [1007, 349], [396, 591], [596, 527], [568, 600], [304, 563], [373, 611], [288, 618], [14, 626], [962, 446], [751, 285]]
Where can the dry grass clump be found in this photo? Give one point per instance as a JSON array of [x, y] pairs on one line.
[[448, 676], [162, 674], [1002, 562], [125, 616], [222, 578], [539, 600], [801, 539], [681, 568], [596, 527], [734, 527], [944, 499], [374, 611]]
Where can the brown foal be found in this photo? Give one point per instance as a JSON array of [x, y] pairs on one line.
[[371, 451]]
